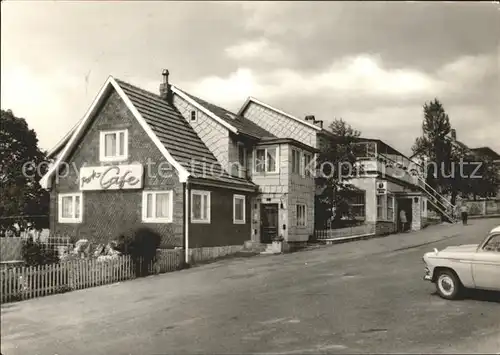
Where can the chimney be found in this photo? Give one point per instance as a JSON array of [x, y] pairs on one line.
[[165, 87], [310, 118], [318, 123], [454, 134]]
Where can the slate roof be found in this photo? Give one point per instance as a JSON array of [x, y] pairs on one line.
[[242, 124], [177, 135]]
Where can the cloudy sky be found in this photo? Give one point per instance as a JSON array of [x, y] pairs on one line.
[[373, 64]]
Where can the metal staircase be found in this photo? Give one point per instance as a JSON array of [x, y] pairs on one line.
[[441, 203]]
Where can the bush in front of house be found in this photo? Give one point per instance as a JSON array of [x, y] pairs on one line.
[[35, 253], [141, 244]]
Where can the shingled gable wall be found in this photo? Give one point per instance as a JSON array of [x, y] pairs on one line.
[[280, 125], [108, 213], [212, 133]]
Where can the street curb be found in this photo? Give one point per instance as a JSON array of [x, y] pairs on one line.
[[348, 239], [485, 217]]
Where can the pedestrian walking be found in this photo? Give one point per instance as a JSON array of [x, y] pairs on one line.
[[464, 211], [402, 220]]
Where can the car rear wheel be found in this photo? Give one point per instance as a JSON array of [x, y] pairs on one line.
[[448, 285]]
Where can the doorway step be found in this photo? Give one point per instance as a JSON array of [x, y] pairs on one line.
[[256, 247]]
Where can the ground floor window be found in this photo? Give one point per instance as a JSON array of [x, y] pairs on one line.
[[200, 206], [157, 206], [239, 209], [385, 207], [390, 207], [70, 207], [301, 215], [381, 207], [357, 205]]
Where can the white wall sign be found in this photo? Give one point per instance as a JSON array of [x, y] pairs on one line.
[[114, 177]]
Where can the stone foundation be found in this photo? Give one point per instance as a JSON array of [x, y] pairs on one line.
[[384, 228]]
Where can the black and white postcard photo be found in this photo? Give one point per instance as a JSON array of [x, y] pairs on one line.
[[239, 177]]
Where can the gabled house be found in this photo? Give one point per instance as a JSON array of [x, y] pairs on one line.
[[390, 182], [284, 205], [193, 172], [488, 153], [491, 155]]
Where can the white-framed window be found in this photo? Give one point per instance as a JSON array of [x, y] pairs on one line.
[[307, 161], [390, 207], [242, 160], [295, 161], [242, 155], [301, 215], [157, 206], [200, 206], [381, 207], [113, 145], [70, 207], [239, 209], [357, 204], [193, 115], [266, 160]]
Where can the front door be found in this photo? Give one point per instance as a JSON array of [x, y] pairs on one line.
[[269, 222]]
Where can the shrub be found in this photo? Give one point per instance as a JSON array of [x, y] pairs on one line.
[[141, 245], [37, 253]]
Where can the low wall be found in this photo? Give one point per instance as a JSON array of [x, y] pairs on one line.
[[10, 248], [367, 228], [383, 228], [197, 255]]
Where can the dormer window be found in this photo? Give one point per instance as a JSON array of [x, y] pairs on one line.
[[113, 145], [193, 115]]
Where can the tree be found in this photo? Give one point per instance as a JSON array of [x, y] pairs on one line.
[[337, 162], [434, 145], [453, 165], [24, 203]]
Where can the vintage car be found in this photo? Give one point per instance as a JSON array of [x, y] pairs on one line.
[[456, 268]]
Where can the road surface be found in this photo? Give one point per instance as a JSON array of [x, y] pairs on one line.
[[360, 297]]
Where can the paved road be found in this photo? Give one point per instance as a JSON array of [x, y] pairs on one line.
[[359, 297]]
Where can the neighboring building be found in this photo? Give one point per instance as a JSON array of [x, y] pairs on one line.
[[285, 203], [390, 181], [195, 173], [490, 154]]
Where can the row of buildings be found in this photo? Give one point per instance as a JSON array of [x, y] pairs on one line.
[[202, 176]]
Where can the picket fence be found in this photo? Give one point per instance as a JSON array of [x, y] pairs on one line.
[[21, 283]]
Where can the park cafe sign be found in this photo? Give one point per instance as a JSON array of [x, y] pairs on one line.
[[113, 177]]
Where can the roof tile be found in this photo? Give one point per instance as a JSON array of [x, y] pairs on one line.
[[242, 124], [177, 135]]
